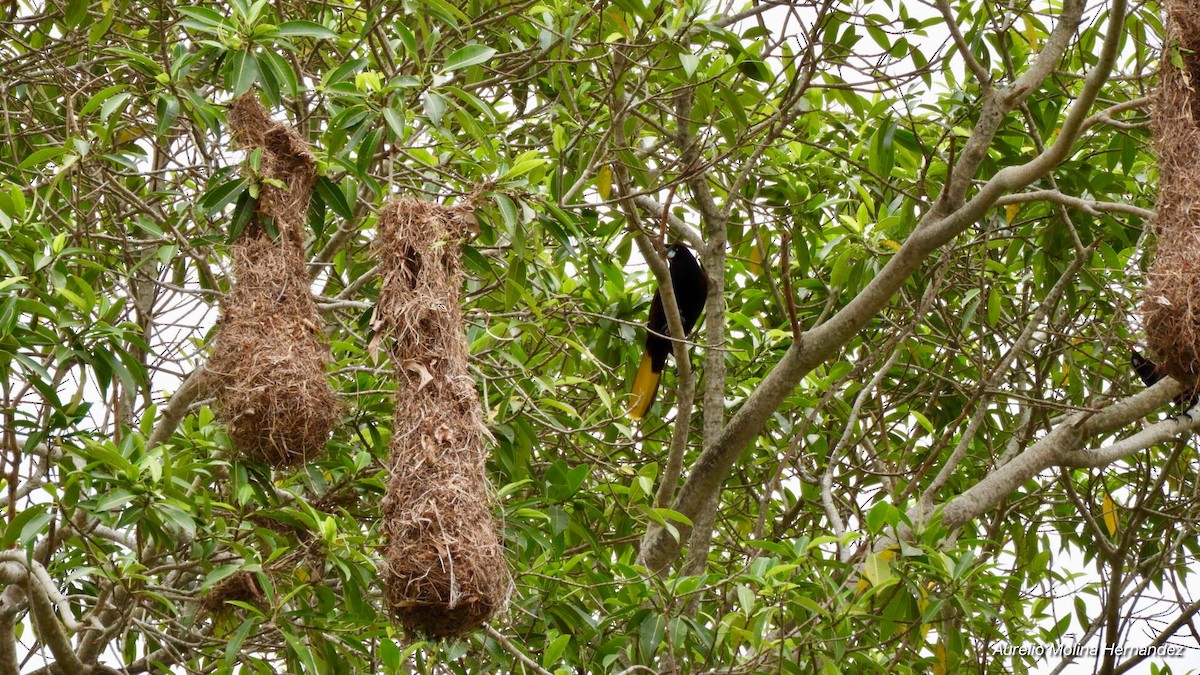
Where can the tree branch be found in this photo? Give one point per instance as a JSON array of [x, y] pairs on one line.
[[191, 389], [1088, 206], [1060, 447], [509, 647], [43, 596]]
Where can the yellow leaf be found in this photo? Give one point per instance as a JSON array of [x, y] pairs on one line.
[[1031, 31], [1010, 212], [876, 569], [126, 135], [604, 182], [892, 244], [922, 605], [941, 663], [1110, 515], [756, 258]]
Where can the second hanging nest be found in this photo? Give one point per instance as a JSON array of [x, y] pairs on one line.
[[445, 567]]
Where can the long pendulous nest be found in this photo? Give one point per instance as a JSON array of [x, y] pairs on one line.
[[1171, 306], [445, 566], [268, 363]]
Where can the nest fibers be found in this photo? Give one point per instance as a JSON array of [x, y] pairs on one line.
[[446, 573], [269, 361], [1171, 307]]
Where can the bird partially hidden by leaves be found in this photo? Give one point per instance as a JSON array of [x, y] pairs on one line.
[[1147, 372]]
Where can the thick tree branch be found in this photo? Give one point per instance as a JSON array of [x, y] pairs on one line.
[[11, 605], [712, 256], [1060, 447], [42, 596]]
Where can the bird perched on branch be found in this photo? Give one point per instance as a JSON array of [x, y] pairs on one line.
[[1148, 373], [691, 290]]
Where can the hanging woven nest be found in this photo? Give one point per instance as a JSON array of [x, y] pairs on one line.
[[445, 567], [268, 362], [1171, 303]]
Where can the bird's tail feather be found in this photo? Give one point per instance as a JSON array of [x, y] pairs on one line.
[[645, 386]]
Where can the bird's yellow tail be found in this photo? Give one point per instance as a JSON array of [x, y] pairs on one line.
[[645, 384]]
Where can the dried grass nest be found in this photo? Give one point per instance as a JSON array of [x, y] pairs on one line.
[[445, 565], [1171, 302], [268, 361], [238, 587]]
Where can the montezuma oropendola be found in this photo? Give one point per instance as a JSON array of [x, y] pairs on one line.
[[691, 291], [1147, 372]]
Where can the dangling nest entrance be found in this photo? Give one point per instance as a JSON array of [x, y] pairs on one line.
[[268, 363], [1171, 307], [446, 573]]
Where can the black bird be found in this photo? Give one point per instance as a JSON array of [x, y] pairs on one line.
[[1148, 373], [691, 291]]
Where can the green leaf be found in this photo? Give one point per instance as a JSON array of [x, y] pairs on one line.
[[241, 72], [366, 151], [97, 99], [395, 123], [389, 654], [281, 71], [878, 569], [333, 197], [300, 28], [167, 111], [468, 56], [217, 574], [246, 207], [76, 13], [435, 107], [43, 156], [650, 635], [524, 164], [756, 70], [266, 78], [234, 646], [112, 499], [26, 525], [138, 60], [205, 20], [108, 107], [406, 37], [301, 650], [554, 650], [880, 515], [689, 62], [223, 195]]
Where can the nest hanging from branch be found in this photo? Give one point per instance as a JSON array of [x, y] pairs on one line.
[[268, 363], [1171, 306], [446, 573]]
